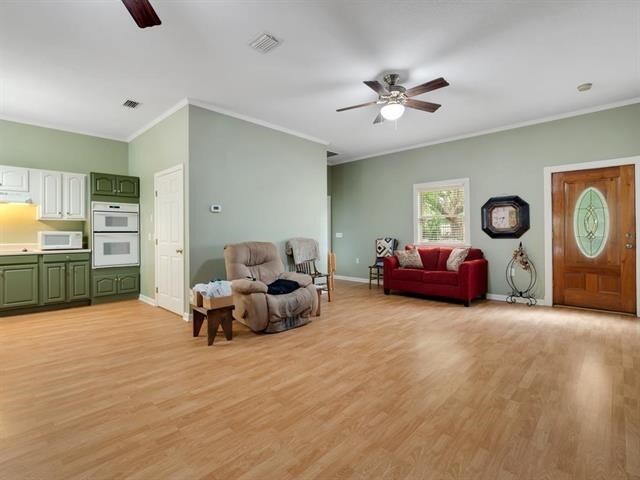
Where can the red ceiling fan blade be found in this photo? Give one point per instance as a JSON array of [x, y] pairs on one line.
[[427, 87], [356, 106], [142, 12], [420, 105], [376, 87]]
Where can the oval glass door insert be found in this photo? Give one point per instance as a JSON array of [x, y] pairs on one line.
[[591, 222]]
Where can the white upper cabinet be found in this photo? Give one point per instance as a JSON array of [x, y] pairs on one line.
[[50, 207], [73, 196], [14, 179], [62, 196]]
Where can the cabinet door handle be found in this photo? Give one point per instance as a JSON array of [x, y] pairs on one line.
[[178, 250]]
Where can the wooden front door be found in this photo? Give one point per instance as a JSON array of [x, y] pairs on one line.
[[594, 236]]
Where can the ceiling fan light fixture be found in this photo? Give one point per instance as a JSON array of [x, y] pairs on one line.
[[392, 111]]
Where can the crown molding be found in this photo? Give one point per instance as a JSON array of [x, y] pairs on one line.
[[503, 128], [182, 103], [51, 126], [262, 123]]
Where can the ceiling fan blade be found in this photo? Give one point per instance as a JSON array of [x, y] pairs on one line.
[[376, 87], [356, 106], [142, 12], [420, 105], [427, 87], [379, 119]]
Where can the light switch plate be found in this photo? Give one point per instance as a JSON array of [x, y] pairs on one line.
[[338, 234]]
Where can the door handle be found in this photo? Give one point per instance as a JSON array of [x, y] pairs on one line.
[[178, 250], [628, 246]]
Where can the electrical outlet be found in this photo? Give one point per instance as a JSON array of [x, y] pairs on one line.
[[357, 260]]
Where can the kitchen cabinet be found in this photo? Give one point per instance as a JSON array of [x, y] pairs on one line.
[[53, 283], [65, 278], [74, 197], [62, 196], [18, 281], [106, 184], [128, 187], [111, 282], [14, 179]]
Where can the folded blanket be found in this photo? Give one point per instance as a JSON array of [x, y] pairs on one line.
[[282, 287], [303, 249]]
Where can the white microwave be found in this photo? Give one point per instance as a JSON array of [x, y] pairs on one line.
[[59, 240]]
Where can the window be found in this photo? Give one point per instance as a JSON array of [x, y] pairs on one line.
[[441, 212]]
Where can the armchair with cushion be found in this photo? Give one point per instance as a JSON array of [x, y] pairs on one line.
[[254, 307]]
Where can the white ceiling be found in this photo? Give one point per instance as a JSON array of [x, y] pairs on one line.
[[71, 64]]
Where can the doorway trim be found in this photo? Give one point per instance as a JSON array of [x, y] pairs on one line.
[[548, 217], [176, 168]]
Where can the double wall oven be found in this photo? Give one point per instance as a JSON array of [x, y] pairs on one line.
[[116, 234]]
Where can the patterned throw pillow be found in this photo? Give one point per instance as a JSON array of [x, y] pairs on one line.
[[409, 258], [385, 246], [456, 257]]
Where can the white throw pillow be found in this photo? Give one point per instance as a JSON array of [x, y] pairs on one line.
[[456, 257], [409, 258]]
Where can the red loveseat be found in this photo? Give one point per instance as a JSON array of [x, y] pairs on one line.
[[468, 283]]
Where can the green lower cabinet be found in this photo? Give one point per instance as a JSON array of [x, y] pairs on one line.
[[18, 285], [105, 285], [113, 282], [129, 283], [78, 281], [53, 283]]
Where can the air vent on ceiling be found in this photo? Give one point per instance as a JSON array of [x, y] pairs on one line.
[[265, 43], [331, 154], [130, 104]]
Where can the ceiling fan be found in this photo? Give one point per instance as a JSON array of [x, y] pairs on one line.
[[394, 98], [142, 12]]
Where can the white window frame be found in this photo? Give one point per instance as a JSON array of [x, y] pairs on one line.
[[456, 182]]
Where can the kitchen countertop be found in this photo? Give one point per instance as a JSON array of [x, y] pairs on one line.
[[6, 253]]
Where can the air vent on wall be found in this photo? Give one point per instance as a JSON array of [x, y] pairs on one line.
[[265, 43], [130, 104]]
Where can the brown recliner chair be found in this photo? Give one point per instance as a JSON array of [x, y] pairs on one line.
[[255, 308]]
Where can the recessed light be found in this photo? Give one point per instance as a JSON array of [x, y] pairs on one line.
[[583, 87]]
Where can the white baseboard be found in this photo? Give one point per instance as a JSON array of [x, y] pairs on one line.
[[148, 300], [351, 279], [187, 317], [502, 298]]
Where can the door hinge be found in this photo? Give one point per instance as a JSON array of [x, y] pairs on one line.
[[156, 241], [156, 193], [156, 289]]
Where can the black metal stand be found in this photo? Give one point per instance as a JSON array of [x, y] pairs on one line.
[[521, 260]]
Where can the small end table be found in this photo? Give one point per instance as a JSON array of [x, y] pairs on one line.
[[215, 317]]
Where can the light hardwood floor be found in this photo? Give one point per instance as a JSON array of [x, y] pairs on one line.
[[378, 387]]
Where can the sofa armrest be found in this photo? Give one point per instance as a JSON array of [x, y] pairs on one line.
[[301, 278], [390, 264], [473, 277], [245, 286]]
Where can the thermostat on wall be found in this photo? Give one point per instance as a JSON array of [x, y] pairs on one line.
[[215, 208]]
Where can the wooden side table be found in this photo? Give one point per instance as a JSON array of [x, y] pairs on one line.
[[215, 317]]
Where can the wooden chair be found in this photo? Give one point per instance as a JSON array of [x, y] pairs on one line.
[[309, 268], [331, 270], [384, 248]]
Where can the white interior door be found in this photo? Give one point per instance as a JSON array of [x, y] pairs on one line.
[[169, 221]]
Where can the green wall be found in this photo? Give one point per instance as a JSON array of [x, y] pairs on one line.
[[373, 197], [29, 146], [164, 145], [272, 186]]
